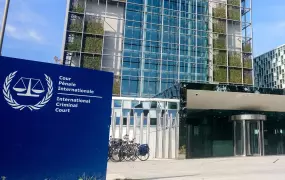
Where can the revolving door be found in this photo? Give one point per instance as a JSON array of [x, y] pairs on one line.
[[248, 134]]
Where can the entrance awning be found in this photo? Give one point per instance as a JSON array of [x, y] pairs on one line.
[[203, 99]]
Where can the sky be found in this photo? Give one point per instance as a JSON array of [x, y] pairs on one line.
[[35, 28], [268, 25]]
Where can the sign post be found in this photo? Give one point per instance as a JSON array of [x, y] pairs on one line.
[[3, 27], [54, 121]]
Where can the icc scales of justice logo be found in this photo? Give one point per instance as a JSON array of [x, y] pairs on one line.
[[27, 87]]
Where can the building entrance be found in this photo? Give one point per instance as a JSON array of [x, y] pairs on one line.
[[248, 134]]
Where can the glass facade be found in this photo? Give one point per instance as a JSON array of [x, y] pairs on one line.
[[152, 44], [165, 42], [211, 134], [269, 68], [131, 106]]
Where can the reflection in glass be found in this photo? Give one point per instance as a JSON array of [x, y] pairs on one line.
[[239, 137], [254, 137]]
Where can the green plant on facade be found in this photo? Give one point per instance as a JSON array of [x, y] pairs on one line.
[[77, 8], [220, 58], [219, 43], [234, 14], [91, 62], [93, 45], [219, 27], [94, 28], [235, 59], [234, 2], [220, 74], [235, 76], [75, 45], [247, 77], [116, 85], [247, 62], [246, 47], [219, 12], [75, 26]]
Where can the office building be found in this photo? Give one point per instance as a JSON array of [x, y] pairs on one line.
[[152, 44], [193, 58], [269, 69]]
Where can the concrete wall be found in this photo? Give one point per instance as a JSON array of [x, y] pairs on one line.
[[211, 55], [199, 99]]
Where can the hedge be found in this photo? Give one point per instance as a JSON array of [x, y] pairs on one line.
[[93, 45], [247, 62], [235, 59], [246, 48], [219, 43], [95, 28], [219, 12], [77, 8], [220, 58], [234, 14], [116, 85], [235, 76], [234, 2], [247, 77], [220, 74], [219, 27], [75, 26], [91, 62], [75, 45]]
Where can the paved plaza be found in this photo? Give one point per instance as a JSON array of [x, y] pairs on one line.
[[236, 168]]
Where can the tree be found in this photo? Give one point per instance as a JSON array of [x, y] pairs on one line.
[[57, 60]]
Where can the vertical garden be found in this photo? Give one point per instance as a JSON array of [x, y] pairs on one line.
[[92, 45], [85, 37], [232, 58], [219, 44]]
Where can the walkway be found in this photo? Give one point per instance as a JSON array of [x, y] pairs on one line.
[[241, 168]]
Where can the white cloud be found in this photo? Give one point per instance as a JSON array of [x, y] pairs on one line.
[[35, 35], [24, 14], [10, 29], [25, 25], [23, 34]]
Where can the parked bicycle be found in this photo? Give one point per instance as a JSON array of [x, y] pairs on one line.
[[127, 150]]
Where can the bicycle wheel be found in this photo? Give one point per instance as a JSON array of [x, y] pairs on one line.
[[115, 156], [130, 153], [143, 152], [143, 157], [122, 153], [135, 149]]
